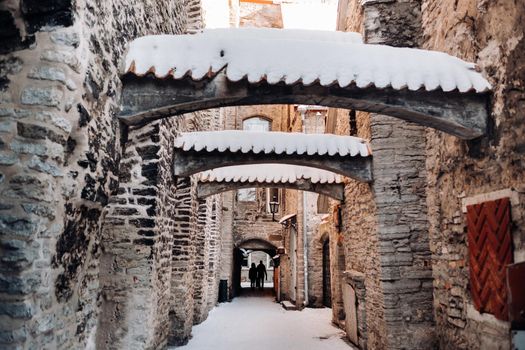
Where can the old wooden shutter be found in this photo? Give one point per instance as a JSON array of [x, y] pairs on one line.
[[490, 251]]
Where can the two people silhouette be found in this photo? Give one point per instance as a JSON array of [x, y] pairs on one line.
[[257, 275]]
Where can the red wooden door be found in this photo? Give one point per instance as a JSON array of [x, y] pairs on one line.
[[490, 251]]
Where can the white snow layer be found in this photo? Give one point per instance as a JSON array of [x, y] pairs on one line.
[[281, 55], [257, 323], [273, 142], [269, 173]]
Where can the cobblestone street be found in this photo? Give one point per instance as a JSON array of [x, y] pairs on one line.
[[257, 322]]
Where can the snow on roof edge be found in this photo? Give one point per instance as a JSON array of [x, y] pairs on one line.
[[269, 174], [273, 142], [274, 59]]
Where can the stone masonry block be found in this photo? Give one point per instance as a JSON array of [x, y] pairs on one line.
[[402, 286], [50, 96], [23, 284], [18, 226], [21, 310], [47, 73]]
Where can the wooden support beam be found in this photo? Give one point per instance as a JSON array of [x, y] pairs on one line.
[[147, 98], [186, 163], [335, 190]]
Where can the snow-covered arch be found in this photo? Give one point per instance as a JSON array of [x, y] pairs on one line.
[[270, 175], [200, 151], [169, 75]]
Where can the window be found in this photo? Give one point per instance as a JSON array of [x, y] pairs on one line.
[[256, 124], [246, 195], [353, 122], [252, 124]]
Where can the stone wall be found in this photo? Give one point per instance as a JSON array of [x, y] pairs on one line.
[[358, 246], [491, 34], [248, 220], [260, 15], [384, 224], [60, 166]]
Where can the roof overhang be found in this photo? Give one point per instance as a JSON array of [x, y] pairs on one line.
[[199, 151], [169, 75], [287, 217], [270, 175]]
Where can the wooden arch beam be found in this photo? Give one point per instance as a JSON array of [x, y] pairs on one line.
[[186, 163], [334, 190], [145, 99]]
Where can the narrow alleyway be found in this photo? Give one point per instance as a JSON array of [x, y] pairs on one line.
[[257, 322]]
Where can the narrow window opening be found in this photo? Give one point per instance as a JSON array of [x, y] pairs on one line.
[[353, 123]]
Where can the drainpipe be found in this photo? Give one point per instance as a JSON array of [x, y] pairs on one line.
[[302, 109]]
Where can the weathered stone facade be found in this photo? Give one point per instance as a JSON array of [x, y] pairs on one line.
[[491, 34], [75, 215], [456, 169]]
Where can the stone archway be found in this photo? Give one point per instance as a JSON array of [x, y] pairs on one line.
[[251, 245], [184, 73], [272, 176], [463, 114], [199, 151]]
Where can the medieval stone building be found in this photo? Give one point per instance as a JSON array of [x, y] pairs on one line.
[[108, 240]]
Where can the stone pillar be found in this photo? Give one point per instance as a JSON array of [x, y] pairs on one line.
[[399, 190], [214, 252], [183, 260], [301, 278], [135, 263], [226, 247], [200, 275]]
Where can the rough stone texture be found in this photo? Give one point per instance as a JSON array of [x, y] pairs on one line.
[[384, 225], [60, 158], [226, 247], [400, 197], [491, 34], [356, 247], [183, 263], [399, 191]]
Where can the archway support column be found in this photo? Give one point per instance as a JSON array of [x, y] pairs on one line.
[[399, 189]]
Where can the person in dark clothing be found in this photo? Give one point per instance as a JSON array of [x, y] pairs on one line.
[[261, 274], [252, 274]]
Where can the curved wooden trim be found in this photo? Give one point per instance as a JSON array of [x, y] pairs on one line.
[[335, 191], [145, 99]]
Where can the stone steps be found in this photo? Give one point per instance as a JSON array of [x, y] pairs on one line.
[[288, 306]]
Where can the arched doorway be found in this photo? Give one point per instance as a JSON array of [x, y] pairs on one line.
[[327, 292], [248, 252]]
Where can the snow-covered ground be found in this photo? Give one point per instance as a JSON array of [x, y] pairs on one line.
[[266, 284], [258, 323]]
